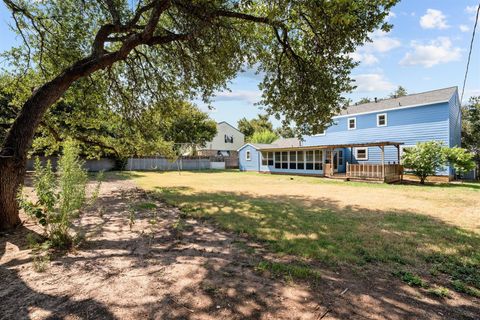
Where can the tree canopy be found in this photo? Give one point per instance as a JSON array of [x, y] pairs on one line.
[[258, 124], [178, 49], [264, 136], [157, 51], [471, 128], [399, 92], [103, 131]]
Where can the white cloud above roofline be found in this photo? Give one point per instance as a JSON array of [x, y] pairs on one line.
[[437, 51], [434, 19], [371, 82]]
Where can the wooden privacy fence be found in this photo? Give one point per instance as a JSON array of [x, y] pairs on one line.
[[231, 162], [163, 164], [385, 172]]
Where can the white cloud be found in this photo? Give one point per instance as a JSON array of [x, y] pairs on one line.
[[250, 96], [464, 28], [471, 9], [381, 43], [436, 51], [369, 82], [434, 19], [391, 15]]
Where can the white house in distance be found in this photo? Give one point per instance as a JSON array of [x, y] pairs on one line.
[[226, 142]]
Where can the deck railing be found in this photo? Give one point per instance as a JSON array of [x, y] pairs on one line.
[[386, 172]]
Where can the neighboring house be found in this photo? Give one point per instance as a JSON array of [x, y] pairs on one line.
[[363, 135], [225, 143]]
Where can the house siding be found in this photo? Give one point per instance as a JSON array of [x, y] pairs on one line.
[[455, 120], [218, 142], [249, 165], [408, 125]]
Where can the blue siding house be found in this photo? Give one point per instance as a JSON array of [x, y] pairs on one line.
[[368, 137]]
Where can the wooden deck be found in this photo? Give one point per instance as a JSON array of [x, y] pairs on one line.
[[383, 172]]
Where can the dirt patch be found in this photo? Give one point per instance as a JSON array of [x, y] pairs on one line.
[[144, 260]]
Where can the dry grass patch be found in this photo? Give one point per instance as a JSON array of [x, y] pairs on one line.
[[337, 223]]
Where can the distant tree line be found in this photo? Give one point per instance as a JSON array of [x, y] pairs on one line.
[[260, 130], [399, 92]]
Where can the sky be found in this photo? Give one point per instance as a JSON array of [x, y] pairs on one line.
[[426, 49]]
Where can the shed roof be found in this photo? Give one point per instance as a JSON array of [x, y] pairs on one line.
[[423, 98]]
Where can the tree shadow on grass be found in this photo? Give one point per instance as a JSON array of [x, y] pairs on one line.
[[329, 235], [470, 185], [195, 270], [19, 300]]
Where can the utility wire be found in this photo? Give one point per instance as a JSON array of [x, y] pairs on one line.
[[470, 52], [468, 65]]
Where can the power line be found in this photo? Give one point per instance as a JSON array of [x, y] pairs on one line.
[[470, 52], [468, 64]]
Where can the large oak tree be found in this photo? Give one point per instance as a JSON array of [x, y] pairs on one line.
[[178, 49]]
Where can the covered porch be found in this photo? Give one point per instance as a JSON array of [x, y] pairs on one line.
[[337, 161], [383, 171]]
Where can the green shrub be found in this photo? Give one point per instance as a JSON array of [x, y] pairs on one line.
[[460, 159], [461, 286], [411, 279], [425, 159], [60, 198]]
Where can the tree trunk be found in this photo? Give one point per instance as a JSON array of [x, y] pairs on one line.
[[10, 179], [13, 155], [21, 133]]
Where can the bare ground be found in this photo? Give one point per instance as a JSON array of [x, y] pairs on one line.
[[164, 267]]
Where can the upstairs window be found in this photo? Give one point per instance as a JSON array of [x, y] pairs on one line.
[[361, 153], [228, 139], [382, 120], [352, 123]]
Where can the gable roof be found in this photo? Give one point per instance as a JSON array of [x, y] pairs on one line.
[[229, 125], [257, 146], [410, 100]]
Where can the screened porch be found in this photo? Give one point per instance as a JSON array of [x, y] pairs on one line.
[[331, 161]]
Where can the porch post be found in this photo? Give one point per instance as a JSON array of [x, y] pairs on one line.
[[383, 161], [398, 153]]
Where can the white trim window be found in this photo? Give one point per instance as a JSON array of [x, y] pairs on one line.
[[361, 154], [381, 120], [352, 123], [324, 132], [248, 155]]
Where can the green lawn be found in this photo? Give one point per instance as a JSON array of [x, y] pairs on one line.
[[425, 230]]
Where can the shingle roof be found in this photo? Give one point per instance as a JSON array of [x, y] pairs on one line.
[[262, 145], [287, 142], [439, 95]]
